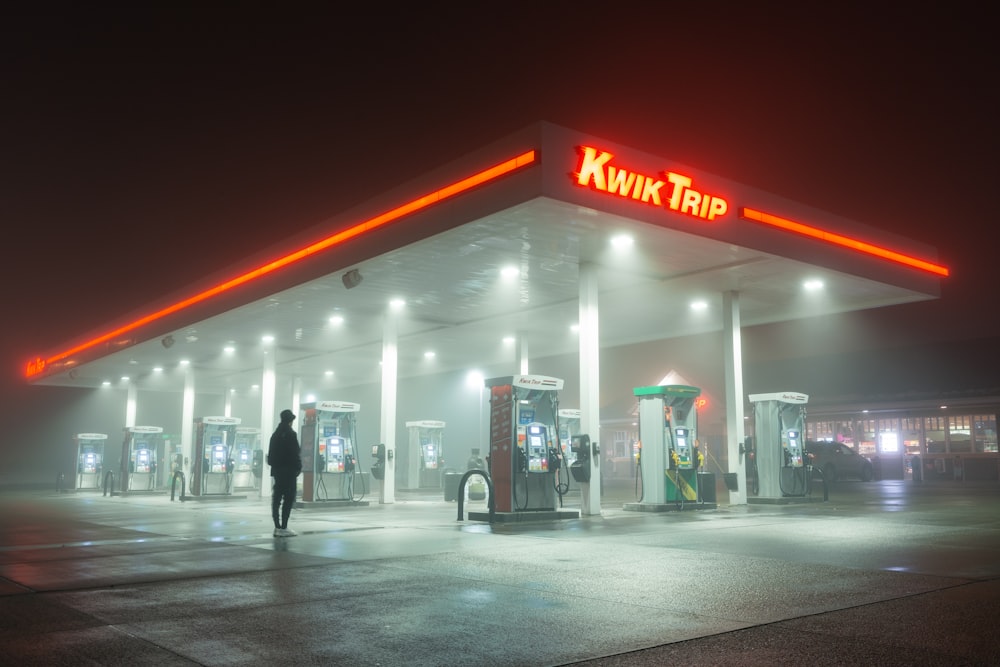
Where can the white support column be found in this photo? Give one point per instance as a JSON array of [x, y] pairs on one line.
[[268, 383], [733, 362], [522, 353], [131, 400], [187, 418], [387, 430], [227, 402], [296, 394], [590, 383]]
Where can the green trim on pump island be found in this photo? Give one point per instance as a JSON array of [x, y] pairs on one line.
[[677, 390]]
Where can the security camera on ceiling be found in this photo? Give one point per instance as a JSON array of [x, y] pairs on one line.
[[168, 341], [352, 278]]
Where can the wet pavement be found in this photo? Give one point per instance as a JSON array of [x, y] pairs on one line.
[[884, 573]]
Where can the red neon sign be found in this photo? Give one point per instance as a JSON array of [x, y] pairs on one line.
[[596, 172], [843, 241], [38, 365]]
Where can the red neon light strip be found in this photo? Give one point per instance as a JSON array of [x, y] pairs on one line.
[[845, 241], [371, 224]]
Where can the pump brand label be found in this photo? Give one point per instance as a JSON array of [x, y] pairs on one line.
[[667, 190], [222, 421]]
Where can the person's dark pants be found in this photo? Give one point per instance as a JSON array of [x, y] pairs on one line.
[[283, 491]]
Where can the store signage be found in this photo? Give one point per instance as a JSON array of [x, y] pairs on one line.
[[35, 367], [666, 190]]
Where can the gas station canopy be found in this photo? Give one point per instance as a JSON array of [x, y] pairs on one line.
[[491, 246]]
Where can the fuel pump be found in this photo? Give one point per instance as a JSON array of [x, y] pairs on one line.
[[142, 451], [779, 424], [330, 463], [244, 454], [524, 441], [89, 459], [670, 455], [378, 467], [213, 466], [794, 477], [748, 455], [569, 428], [426, 461], [583, 451]]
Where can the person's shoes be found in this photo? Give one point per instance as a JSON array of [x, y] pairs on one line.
[[277, 532], [284, 532]]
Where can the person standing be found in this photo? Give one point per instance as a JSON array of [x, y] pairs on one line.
[[285, 458]]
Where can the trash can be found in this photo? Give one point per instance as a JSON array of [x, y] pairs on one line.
[[451, 480], [706, 486], [731, 480]]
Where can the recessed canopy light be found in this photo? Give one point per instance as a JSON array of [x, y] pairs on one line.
[[509, 340], [574, 327], [397, 303], [229, 349], [106, 383], [622, 241], [267, 338], [510, 272], [336, 320], [124, 378], [813, 284], [328, 373], [429, 354], [184, 362], [474, 379], [157, 369], [699, 305]]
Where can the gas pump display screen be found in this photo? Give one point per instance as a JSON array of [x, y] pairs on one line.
[[430, 456], [329, 430], [526, 416], [215, 440], [683, 448], [335, 454], [794, 450], [218, 458], [538, 460]]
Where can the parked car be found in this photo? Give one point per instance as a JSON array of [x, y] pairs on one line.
[[838, 461]]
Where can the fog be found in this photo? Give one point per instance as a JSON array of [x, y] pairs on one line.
[[836, 358]]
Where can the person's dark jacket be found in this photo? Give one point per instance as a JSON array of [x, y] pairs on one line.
[[283, 454]]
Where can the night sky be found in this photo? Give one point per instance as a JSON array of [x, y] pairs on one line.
[[143, 148]]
